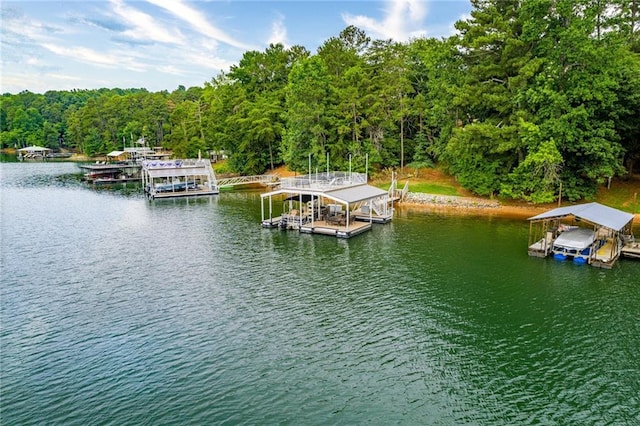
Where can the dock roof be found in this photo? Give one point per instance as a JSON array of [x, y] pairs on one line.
[[354, 194], [34, 148], [593, 212], [346, 195]]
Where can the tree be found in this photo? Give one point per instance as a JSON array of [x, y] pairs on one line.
[[306, 129], [497, 65], [574, 94]]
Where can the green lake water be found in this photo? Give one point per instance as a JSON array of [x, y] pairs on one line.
[[118, 310]]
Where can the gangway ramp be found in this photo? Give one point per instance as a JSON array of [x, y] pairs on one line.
[[247, 180]]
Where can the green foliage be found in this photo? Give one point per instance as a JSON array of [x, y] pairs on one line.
[[537, 178], [530, 94]]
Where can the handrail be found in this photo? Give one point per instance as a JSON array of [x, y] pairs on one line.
[[324, 180], [242, 180], [405, 190]]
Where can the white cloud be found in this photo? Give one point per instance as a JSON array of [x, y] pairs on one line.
[[278, 32], [144, 27], [403, 19], [210, 62], [90, 56], [198, 21]]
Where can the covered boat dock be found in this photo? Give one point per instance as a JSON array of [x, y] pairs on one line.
[[588, 233], [340, 204], [178, 178], [33, 152]]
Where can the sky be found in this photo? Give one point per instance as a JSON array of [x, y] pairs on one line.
[[164, 44]]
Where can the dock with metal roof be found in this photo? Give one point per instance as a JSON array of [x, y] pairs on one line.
[[340, 204], [610, 234], [178, 178]]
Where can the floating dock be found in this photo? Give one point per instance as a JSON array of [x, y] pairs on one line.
[[587, 233], [178, 178], [103, 172], [631, 249], [339, 204]]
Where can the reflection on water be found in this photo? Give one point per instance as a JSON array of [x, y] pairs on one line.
[[122, 310]]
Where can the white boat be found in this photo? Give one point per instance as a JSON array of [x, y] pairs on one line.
[[575, 243]]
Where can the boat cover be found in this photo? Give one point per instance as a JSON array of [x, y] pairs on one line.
[[34, 148], [576, 239], [593, 212]]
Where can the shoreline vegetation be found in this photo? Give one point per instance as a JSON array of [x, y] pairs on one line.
[[521, 102], [449, 197], [453, 199]]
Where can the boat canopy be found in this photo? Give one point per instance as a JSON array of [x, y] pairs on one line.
[[115, 153], [593, 212], [354, 194], [345, 195], [34, 148], [578, 239]]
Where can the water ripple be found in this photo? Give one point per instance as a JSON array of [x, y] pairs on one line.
[[117, 310]]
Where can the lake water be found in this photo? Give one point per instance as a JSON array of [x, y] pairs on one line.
[[118, 310]]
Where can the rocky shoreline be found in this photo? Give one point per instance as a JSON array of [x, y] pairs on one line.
[[474, 206], [449, 201]]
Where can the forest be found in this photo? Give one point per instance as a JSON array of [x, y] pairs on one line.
[[527, 96]]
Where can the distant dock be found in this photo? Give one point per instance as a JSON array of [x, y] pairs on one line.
[[102, 172], [178, 178]]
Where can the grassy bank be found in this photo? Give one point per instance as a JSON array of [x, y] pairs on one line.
[[622, 194]]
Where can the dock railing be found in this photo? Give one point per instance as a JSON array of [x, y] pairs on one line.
[[244, 180], [323, 180]]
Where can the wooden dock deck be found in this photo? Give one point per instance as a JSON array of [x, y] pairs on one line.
[[324, 227], [335, 229], [631, 250], [202, 190]]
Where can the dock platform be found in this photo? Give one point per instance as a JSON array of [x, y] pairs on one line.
[[178, 178], [587, 233], [200, 190], [631, 249], [340, 204]]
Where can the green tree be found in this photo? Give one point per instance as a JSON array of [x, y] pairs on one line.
[[497, 65], [307, 129]]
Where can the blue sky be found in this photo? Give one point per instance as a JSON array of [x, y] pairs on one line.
[[161, 44]]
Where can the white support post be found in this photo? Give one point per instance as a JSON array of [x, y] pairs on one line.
[[348, 216], [366, 167], [300, 213], [313, 212], [370, 211], [327, 165]]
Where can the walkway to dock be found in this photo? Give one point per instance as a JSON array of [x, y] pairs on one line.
[[246, 180]]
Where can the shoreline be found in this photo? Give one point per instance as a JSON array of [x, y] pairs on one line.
[[515, 212], [454, 205], [497, 210]]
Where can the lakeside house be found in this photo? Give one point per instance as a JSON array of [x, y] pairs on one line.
[[586, 233]]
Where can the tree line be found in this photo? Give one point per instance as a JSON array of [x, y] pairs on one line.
[[528, 96]]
